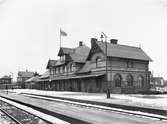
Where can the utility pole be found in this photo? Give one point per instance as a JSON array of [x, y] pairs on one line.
[[107, 86]]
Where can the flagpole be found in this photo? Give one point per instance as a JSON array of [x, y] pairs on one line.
[[60, 37]]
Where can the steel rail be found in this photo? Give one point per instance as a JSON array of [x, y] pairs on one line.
[[58, 115], [10, 116], [23, 111]]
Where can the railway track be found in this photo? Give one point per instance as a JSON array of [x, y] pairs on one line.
[[12, 119], [19, 116], [64, 119]]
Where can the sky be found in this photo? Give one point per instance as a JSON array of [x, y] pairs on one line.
[[29, 29]]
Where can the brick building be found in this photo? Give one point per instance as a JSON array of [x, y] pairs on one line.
[[23, 76], [5, 82], [83, 69]]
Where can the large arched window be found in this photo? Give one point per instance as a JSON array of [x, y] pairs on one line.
[[129, 80], [117, 80], [140, 81], [98, 59]]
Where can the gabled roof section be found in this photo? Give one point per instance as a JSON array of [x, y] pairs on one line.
[[59, 62], [6, 77], [45, 75], [94, 48], [33, 79], [123, 51], [80, 54], [86, 68], [64, 50], [51, 63]]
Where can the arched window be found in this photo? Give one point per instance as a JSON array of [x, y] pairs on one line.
[[140, 81], [129, 80], [117, 80], [98, 59]]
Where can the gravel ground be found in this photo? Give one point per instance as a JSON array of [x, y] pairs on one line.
[[5, 120], [20, 115]]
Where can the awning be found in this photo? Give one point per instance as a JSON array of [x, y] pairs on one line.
[[77, 76]]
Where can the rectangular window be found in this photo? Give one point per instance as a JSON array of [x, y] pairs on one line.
[[63, 69], [70, 67], [67, 68], [54, 71], [132, 64], [58, 69], [51, 71], [62, 58], [73, 67]]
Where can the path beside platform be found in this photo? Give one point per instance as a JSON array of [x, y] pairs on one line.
[[83, 113], [147, 101]]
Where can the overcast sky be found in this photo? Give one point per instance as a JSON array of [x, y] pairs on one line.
[[29, 29]]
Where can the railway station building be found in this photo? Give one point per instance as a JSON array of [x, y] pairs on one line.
[[83, 69]]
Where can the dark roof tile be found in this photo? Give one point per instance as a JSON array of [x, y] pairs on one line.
[[123, 51], [45, 75], [80, 54], [64, 50], [51, 63], [33, 79]]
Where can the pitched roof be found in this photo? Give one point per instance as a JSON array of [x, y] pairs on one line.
[[123, 51], [51, 63], [6, 77], [86, 68], [80, 54], [33, 79], [25, 74], [158, 79], [64, 50], [45, 75]]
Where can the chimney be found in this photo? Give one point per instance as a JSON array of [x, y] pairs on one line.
[[113, 41], [80, 43], [93, 40]]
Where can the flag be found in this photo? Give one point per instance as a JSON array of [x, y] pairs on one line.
[[63, 33], [104, 34]]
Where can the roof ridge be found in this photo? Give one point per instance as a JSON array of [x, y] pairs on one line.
[[129, 46], [121, 45], [119, 50]]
